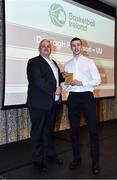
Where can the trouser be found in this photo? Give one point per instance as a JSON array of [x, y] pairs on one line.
[[83, 102], [42, 131]]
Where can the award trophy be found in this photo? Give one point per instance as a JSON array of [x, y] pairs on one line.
[[68, 78]]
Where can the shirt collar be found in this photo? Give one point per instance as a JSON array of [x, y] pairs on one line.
[[48, 60], [77, 59]]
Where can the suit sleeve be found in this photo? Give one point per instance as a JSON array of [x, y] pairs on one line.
[[35, 77], [61, 77]]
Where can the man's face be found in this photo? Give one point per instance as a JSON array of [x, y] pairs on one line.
[[45, 48], [76, 47]]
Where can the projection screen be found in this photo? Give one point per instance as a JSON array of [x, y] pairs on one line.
[[27, 22]]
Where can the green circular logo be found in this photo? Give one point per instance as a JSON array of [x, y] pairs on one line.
[[57, 15]]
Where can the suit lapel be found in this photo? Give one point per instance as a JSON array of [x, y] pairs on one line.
[[47, 65]]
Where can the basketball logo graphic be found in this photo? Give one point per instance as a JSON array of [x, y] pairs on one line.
[[57, 15]]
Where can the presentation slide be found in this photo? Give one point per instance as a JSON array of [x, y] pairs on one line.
[[27, 22]]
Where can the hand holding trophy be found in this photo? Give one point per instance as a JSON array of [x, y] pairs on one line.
[[68, 78]]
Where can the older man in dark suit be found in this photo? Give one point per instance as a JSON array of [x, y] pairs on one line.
[[43, 92]]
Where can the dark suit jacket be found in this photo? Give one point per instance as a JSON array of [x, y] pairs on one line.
[[41, 83]]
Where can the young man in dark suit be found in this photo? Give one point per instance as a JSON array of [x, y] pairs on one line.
[[44, 91]]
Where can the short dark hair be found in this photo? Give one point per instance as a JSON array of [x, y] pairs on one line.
[[75, 39]]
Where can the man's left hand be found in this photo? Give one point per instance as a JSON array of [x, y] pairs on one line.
[[76, 82], [58, 90]]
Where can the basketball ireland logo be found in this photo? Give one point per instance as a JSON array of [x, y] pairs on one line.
[[57, 15]]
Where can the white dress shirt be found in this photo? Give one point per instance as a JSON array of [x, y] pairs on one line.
[[55, 72], [85, 70]]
